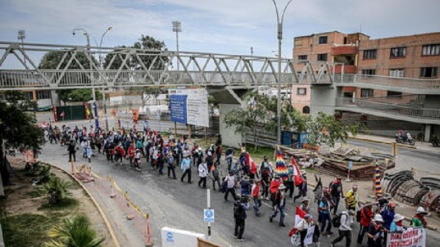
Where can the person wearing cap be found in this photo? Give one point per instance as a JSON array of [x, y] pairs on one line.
[[397, 224], [345, 228], [303, 225], [274, 184], [230, 186], [228, 157], [304, 205], [337, 193], [419, 220], [245, 186], [170, 159], [256, 196], [185, 166], [289, 181], [203, 173], [374, 232], [302, 188], [352, 198], [279, 204], [366, 217], [137, 160], [324, 213], [265, 171]]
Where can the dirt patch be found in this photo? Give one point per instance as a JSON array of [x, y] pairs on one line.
[[22, 198]]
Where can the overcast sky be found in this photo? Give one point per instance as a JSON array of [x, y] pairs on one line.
[[215, 26]]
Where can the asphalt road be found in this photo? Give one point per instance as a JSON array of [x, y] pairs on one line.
[[180, 205]]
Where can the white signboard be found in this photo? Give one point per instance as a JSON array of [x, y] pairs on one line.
[[179, 238], [195, 105], [411, 237]]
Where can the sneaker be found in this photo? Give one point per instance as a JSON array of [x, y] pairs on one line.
[[282, 225], [240, 239], [270, 219], [332, 245]]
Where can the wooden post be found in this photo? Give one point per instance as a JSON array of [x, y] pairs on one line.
[[206, 135], [175, 129]]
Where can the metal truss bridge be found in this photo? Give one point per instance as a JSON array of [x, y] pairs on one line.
[[21, 68]]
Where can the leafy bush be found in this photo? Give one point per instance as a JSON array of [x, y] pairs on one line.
[[76, 232], [435, 140], [57, 190]]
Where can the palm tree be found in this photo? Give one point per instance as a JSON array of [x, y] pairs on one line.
[[75, 232], [57, 189]]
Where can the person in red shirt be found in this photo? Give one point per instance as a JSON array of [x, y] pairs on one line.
[[366, 216], [256, 196], [131, 152], [274, 184]]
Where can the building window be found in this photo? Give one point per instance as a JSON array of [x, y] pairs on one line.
[[366, 93], [428, 72], [306, 110], [301, 91], [398, 52], [302, 57], [298, 42], [431, 50], [370, 54], [368, 71], [29, 95], [322, 57], [43, 94], [393, 94], [397, 72], [323, 40]]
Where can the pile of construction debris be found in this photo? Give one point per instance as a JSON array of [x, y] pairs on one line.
[[343, 159], [402, 186]]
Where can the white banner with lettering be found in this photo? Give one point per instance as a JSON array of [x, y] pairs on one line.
[[412, 237], [309, 236]]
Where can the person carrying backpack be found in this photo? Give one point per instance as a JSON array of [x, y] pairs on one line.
[[324, 213], [345, 222], [240, 207]]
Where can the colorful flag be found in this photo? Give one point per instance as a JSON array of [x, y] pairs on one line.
[[250, 162], [296, 173], [280, 165], [377, 185], [299, 215]]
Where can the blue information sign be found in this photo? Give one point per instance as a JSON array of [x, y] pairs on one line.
[[178, 108]]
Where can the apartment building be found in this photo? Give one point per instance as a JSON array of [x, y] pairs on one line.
[[401, 71]]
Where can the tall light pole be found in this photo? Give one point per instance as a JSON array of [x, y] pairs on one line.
[[177, 27], [103, 87], [91, 74], [280, 38], [22, 36]]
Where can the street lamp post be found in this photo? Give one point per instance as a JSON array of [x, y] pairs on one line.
[[103, 87], [280, 38], [22, 36], [91, 74], [177, 27]]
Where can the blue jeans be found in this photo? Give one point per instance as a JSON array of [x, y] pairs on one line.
[[323, 218], [282, 215], [257, 205]]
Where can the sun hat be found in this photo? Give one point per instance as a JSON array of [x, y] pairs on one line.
[[421, 210], [378, 218], [308, 216], [398, 217], [305, 199]]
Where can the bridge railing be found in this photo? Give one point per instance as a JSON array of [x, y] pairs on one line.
[[396, 109]]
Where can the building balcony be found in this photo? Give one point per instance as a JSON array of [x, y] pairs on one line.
[[344, 50]]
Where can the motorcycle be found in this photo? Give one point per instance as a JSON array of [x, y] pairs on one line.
[[404, 138]]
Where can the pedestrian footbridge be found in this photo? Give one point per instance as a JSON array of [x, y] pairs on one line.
[[22, 66]]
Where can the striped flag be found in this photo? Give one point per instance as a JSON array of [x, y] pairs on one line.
[[280, 165], [377, 185], [299, 215], [296, 173]]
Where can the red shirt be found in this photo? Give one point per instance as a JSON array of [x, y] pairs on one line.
[[274, 185], [366, 216]]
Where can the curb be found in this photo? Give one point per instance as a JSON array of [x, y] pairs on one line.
[[101, 212], [382, 142]]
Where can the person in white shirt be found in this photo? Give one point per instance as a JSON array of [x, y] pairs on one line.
[[303, 225], [345, 228], [230, 180], [203, 172]]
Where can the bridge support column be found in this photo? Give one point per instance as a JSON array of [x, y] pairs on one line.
[[323, 98], [427, 132], [229, 137]]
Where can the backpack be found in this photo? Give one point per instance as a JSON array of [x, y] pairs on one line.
[[238, 210], [336, 220]]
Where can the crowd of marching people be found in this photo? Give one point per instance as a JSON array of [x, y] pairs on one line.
[[254, 183]]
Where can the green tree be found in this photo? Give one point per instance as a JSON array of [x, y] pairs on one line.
[[76, 232], [17, 131], [252, 117], [54, 60], [57, 190]]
